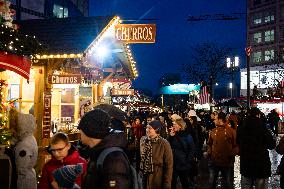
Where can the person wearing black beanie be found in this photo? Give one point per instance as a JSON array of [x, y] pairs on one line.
[[96, 132]]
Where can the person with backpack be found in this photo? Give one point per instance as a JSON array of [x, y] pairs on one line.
[[222, 148], [108, 166], [156, 164]]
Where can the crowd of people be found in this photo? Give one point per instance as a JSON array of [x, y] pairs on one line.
[[161, 147]]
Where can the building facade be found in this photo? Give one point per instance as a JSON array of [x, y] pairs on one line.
[[265, 35], [30, 9]]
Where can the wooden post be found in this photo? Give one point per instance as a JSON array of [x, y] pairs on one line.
[[38, 102]]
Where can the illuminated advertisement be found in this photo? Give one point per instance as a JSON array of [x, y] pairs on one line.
[[179, 89], [262, 78]]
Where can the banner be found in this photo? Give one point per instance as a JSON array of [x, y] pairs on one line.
[[18, 64]]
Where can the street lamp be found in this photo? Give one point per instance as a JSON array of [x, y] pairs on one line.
[[233, 66], [231, 88]]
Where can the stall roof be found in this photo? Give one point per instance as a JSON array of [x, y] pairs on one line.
[[65, 35], [74, 36]]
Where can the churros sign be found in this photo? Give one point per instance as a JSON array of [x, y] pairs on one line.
[[136, 33]]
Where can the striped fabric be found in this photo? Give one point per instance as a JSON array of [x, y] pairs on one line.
[[204, 96]]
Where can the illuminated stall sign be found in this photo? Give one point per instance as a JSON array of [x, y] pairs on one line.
[[136, 33], [122, 92], [179, 89], [46, 125], [64, 79]]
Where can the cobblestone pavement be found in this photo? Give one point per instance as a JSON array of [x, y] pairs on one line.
[[274, 180]]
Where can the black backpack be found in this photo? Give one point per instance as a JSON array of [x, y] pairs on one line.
[[136, 179]]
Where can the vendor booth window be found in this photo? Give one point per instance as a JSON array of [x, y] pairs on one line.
[[21, 91], [67, 105]]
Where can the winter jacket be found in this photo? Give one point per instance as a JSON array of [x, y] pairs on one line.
[[53, 164], [183, 150], [254, 139], [163, 164], [138, 130], [26, 152], [115, 172], [222, 146]]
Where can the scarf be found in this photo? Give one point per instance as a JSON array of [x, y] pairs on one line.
[[146, 164]]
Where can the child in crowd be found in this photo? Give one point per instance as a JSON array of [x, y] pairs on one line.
[[65, 177]]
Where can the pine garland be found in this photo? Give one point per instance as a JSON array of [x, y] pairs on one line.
[[12, 41], [5, 132]]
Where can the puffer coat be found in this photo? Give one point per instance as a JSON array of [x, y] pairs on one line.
[[26, 152]]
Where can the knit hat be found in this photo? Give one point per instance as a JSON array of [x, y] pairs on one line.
[[156, 124], [193, 113], [67, 175], [113, 111], [95, 124]]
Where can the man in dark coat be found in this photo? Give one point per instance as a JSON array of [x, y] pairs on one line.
[[273, 119], [254, 139], [96, 133]]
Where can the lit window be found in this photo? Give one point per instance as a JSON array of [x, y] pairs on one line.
[[269, 55], [257, 19], [268, 17], [269, 35], [256, 56], [60, 11], [257, 37]]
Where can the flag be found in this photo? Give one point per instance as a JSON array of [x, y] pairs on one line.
[[204, 96]]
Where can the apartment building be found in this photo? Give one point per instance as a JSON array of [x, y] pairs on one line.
[[38, 9], [265, 35]]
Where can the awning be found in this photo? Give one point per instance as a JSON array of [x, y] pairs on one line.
[[18, 64]]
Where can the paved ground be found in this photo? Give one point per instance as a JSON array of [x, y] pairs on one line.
[[202, 180]]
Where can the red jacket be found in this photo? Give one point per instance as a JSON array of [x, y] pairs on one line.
[[53, 164], [138, 130]]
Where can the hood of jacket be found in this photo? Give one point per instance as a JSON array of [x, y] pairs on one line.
[[114, 139], [26, 125]]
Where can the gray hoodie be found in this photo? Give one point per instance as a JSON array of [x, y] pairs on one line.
[[26, 152]]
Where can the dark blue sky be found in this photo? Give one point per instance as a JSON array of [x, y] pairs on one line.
[[175, 35]]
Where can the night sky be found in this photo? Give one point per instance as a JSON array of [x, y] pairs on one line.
[[175, 35]]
